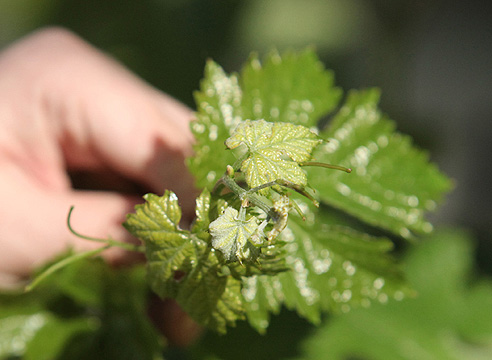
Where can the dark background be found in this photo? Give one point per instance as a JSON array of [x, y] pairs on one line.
[[431, 58]]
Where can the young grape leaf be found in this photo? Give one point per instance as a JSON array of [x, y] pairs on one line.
[[332, 268], [274, 149], [182, 264], [292, 88], [392, 184], [218, 112], [170, 252], [230, 235]]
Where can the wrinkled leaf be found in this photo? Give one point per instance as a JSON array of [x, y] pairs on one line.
[[170, 253], [213, 301], [274, 149], [181, 265], [230, 235], [293, 88]]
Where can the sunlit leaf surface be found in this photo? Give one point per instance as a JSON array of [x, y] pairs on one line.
[[218, 113], [333, 267], [392, 184], [170, 253], [274, 149], [293, 87]]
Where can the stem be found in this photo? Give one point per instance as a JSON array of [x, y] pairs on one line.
[[61, 264], [244, 194], [109, 242], [288, 184], [329, 166]]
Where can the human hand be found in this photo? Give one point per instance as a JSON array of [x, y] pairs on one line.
[[64, 106]]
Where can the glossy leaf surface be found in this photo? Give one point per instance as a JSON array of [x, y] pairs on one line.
[[218, 113], [169, 250], [293, 87], [333, 268], [392, 184]]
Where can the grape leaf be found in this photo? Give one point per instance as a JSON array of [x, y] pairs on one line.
[[292, 88], [230, 235], [170, 253], [392, 184], [213, 301], [449, 319], [182, 265], [332, 268], [268, 144], [218, 113]]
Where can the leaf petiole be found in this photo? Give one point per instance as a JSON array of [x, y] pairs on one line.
[[290, 185], [228, 180], [329, 166]]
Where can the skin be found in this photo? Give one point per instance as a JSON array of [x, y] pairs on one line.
[[67, 108]]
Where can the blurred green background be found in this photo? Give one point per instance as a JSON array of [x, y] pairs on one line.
[[432, 60]]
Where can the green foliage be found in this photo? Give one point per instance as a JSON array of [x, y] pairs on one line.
[[450, 319], [231, 234], [392, 184], [266, 116], [183, 266], [85, 310], [293, 88], [334, 267], [168, 248], [247, 254], [218, 113]]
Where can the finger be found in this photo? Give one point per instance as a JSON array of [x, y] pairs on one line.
[[101, 115], [34, 224], [175, 324]]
